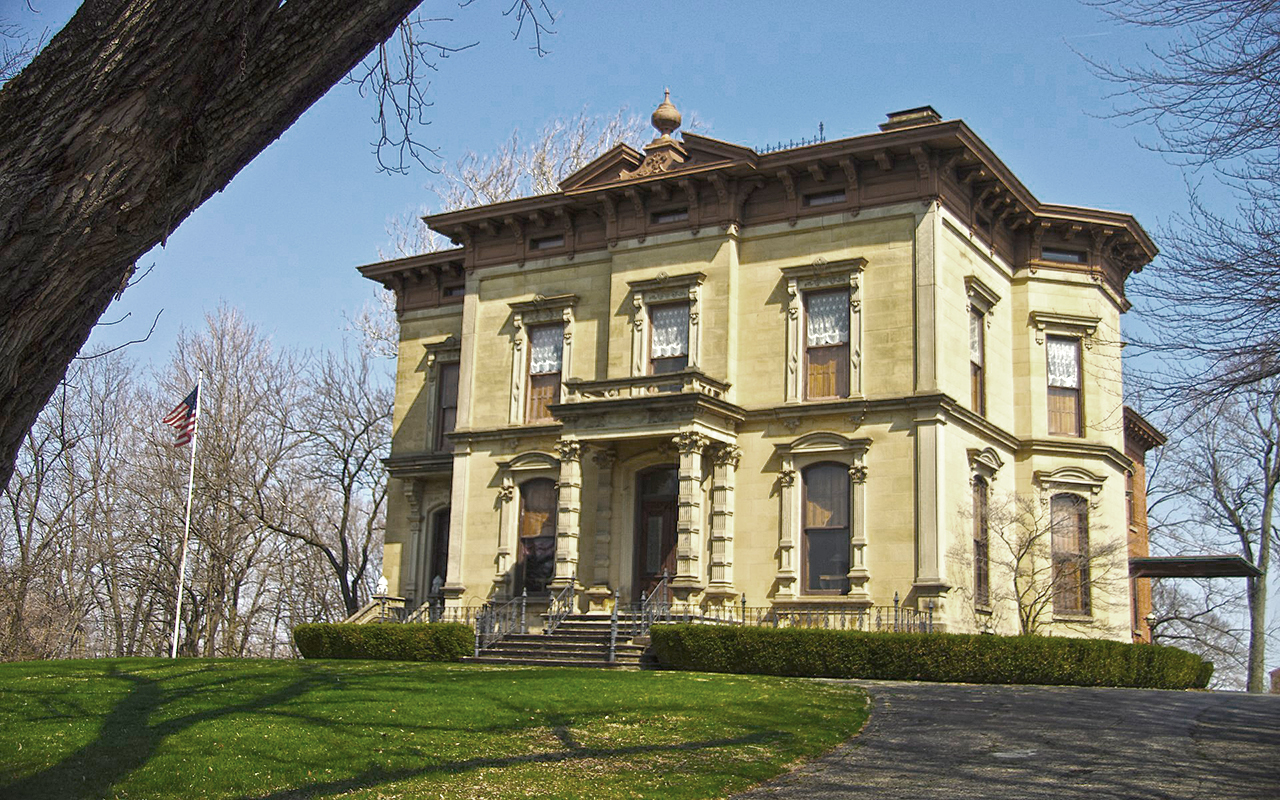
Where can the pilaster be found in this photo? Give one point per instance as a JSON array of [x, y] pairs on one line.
[[931, 501], [859, 574], [788, 578]]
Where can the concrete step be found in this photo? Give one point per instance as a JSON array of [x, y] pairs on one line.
[[581, 647], [551, 662]]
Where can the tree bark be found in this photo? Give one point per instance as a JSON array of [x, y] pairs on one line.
[[135, 114]]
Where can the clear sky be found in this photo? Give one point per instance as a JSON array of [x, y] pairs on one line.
[[282, 240]]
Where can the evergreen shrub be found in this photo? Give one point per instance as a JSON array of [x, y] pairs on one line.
[[959, 658], [435, 641]]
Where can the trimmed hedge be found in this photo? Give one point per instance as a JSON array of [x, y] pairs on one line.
[[959, 658], [437, 641]]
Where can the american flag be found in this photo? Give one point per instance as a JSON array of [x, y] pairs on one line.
[[183, 419]]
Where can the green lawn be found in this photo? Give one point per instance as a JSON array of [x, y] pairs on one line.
[[154, 729]]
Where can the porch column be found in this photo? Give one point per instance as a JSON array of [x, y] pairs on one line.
[[688, 578], [720, 588], [569, 512]]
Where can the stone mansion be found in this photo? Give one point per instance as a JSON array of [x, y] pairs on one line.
[[814, 378]]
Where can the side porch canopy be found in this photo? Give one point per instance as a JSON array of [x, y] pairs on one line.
[[1192, 567]]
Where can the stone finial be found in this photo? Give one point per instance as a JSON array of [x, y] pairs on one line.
[[665, 117]]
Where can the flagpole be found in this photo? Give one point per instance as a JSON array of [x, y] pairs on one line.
[[186, 529]]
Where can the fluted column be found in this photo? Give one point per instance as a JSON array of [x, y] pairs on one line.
[[689, 578], [569, 511]]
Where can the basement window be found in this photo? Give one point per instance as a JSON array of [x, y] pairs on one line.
[[1063, 255], [824, 198], [547, 243], [672, 215]]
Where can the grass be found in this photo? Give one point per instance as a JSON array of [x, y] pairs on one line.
[[155, 729]]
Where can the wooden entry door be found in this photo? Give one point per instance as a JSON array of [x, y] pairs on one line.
[[656, 498]]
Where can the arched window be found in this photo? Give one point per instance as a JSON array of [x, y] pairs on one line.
[[981, 544], [825, 521], [536, 558], [1069, 522]]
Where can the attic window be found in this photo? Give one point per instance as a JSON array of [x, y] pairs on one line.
[[824, 198], [1063, 255], [457, 290], [547, 242], [671, 215]]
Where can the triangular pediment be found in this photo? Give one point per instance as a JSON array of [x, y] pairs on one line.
[[662, 156], [605, 168]]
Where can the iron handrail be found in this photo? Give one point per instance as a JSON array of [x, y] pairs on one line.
[[613, 629], [561, 605], [495, 621], [656, 606]]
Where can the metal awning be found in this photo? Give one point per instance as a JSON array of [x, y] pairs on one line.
[[1192, 567]]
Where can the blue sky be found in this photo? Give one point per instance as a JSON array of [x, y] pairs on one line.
[[282, 240]]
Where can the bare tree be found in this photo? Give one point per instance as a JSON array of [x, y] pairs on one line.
[[1202, 617], [17, 48], [136, 113], [1209, 94], [1224, 473], [1045, 563], [330, 495], [518, 168]]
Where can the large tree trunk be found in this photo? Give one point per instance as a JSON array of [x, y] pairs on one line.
[[135, 114], [1257, 671]]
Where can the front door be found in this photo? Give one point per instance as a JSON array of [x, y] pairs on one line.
[[655, 527]]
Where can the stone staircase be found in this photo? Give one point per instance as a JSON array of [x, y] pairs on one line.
[[581, 640]]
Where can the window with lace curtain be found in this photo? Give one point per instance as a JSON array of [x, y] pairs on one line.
[[668, 338], [546, 352], [827, 344], [1063, 355]]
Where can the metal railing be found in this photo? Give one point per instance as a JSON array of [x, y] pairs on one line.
[[496, 620], [652, 608], [561, 605], [430, 611], [896, 618]]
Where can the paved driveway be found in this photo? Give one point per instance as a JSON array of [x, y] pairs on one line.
[[940, 741]]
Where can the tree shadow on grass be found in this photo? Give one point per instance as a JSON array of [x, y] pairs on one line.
[[378, 776], [127, 739]]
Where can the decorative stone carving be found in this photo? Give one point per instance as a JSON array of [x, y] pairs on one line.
[[689, 442], [728, 455], [569, 450]]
